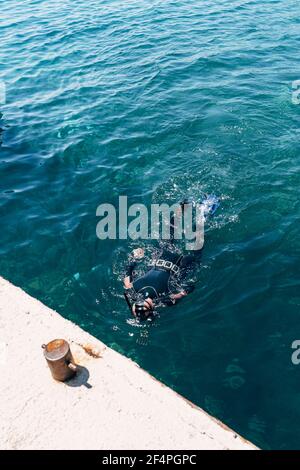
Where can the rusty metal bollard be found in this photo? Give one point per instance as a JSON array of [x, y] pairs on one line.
[[60, 360]]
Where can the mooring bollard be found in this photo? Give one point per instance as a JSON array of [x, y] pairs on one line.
[[60, 360]]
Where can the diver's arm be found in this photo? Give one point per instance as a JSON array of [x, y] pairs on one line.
[[128, 277], [179, 295], [172, 299], [127, 283], [137, 255]]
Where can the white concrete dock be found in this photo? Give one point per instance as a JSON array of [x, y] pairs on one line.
[[111, 404]]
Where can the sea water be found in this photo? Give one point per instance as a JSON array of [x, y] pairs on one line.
[[156, 100]]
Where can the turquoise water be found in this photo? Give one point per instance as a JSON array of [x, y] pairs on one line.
[[151, 99]]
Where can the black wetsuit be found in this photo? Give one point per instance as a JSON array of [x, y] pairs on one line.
[[156, 282]]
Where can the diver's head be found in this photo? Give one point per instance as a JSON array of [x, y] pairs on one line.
[[143, 309]]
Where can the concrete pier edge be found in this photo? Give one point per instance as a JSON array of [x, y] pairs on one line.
[[111, 404]]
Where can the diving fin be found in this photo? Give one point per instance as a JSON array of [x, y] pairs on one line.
[[210, 204]]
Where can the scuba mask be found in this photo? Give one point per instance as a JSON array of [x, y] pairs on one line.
[[143, 309]]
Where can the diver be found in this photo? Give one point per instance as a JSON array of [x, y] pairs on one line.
[[165, 282]]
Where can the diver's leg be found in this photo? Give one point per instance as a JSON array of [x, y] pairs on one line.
[[192, 258]]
